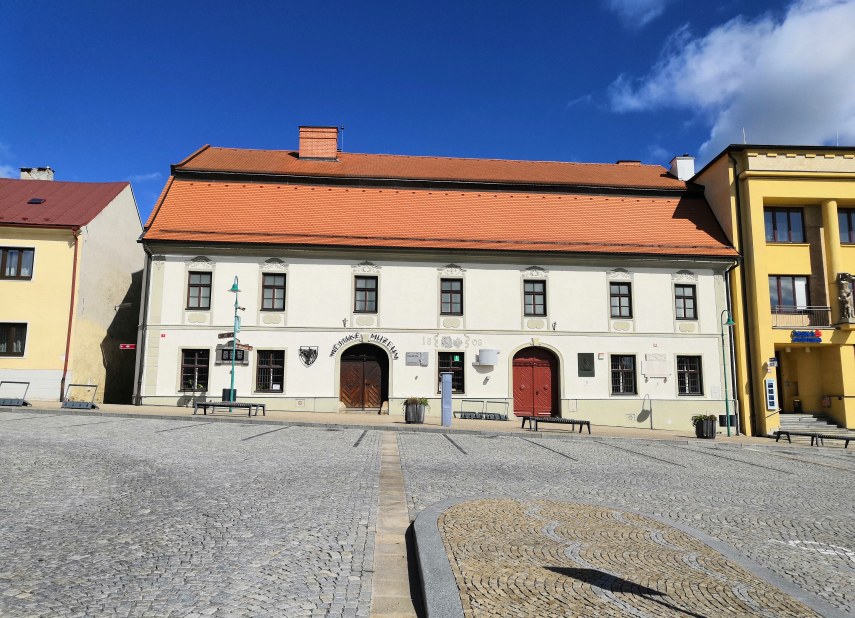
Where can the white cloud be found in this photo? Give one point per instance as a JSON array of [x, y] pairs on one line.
[[7, 171], [787, 80], [144, 177], [583, 99], [637, 13]]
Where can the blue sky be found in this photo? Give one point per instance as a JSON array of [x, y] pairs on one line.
[[104, 91]]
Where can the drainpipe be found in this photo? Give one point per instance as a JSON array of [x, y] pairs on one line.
[[731, 344], [76, 233], [143, 327], [745, 328]]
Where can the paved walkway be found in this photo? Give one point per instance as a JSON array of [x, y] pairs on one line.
[[533, 558], [396, 421]]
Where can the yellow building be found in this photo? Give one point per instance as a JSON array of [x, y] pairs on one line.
[[70, 278], [790, 211]]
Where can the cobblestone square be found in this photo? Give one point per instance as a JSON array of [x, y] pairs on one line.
[[127, 517], [104, 516], [791, 513]]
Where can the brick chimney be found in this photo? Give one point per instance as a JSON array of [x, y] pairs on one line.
[[319, 143], [36, 173]]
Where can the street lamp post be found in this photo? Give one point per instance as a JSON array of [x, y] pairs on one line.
[[729, 322], [234, 339]]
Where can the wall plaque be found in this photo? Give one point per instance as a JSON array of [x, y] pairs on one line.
[[417, 359], [586, 364]]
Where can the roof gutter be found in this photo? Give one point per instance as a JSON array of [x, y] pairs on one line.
[[744, 285], [76, 232]]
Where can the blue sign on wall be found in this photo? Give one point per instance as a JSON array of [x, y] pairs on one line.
[[806, 336]]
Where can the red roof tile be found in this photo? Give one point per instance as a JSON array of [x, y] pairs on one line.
[[197, 211], [70, 204], [353, 165]]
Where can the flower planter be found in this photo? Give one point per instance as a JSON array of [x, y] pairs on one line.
[[706, 429], [414, 413]]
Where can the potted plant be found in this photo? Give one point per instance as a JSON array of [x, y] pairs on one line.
[[414, 409], [705, 425]]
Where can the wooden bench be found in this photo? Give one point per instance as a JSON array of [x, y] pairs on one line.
[[534, 420], [240, 405]]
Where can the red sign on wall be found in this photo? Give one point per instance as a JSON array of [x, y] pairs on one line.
[[127, 346]]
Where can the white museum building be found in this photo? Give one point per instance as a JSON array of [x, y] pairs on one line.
[[588, 291]]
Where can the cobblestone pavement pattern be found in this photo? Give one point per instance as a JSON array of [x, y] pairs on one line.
[[793, 517], [546, 558], [104, 517]]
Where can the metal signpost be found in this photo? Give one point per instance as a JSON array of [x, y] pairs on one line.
[[446, 399], [235, 345]]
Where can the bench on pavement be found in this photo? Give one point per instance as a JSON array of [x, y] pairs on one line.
[[816, 439], [822, 437], [535, 420], [240, 405]]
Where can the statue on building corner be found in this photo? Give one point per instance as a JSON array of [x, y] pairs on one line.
[[847, 304]]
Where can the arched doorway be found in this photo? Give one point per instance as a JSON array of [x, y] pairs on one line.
[[364, 376], [536, 385]]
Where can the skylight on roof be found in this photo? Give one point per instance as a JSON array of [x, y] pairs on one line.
[[36, 200]]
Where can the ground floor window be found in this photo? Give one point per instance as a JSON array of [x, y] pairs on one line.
[[270, 371], [623, 375], [453, 362], [689, 380], [13, 339], [194, 370]]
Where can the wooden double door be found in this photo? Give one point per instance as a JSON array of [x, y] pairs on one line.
[[536, 390], [362, 381]]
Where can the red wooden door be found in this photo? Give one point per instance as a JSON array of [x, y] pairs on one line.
[[542, 389], [523, 391], [372, 377], [351, 384], [535, 383]]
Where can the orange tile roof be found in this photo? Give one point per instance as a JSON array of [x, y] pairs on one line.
[[353, 165], [198, 211]]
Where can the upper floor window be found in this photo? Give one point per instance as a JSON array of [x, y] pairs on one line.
[[623, 375], [784, 225], [273, 293], [366, 295], [689, 380], [535, 297], [621, 300], [199, 291], [452, 297], [684, 297], [846, 219], [787, 291], [13, 339], [451, 362], [194, 370], [16, 263]]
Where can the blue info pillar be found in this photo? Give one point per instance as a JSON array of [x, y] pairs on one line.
[[446, 399]]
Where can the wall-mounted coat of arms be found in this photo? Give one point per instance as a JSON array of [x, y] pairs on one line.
[[308, 355]]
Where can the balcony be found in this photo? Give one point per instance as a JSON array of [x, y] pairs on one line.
[[790, 317]]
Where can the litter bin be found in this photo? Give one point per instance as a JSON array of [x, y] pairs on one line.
[[797, 406], [229, 394]]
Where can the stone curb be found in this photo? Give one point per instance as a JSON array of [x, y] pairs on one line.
[[419, 429], [442, 596]]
